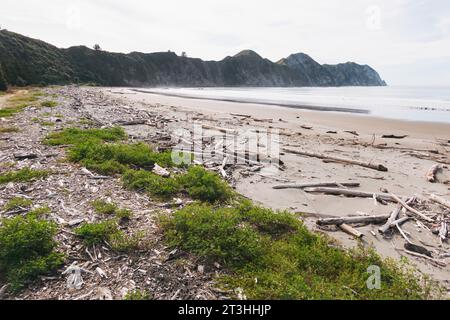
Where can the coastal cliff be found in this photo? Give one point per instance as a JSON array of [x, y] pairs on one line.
[[27, 61]]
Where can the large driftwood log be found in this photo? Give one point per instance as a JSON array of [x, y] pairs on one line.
[[223, 130], [351, 220], [391, 219], [369, 165], [315, 184], [431, 174], [351, 231], [351, 193], [407, 207], [440, 200]]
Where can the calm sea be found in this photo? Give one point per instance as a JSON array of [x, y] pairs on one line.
[[395, 102]]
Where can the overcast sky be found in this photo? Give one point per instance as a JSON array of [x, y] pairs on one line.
[[407, 41]]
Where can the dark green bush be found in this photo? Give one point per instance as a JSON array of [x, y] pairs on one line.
[[205, 185], [155, 185], [27, 250]]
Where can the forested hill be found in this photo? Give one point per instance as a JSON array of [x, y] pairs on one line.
[[27, 61]]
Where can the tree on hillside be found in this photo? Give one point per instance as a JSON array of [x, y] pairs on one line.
[[97, 47], [3, 85]]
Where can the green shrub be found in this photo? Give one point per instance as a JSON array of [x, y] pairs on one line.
[[27, 250], [17, 203], [137, 295], [155, 185], [73, 136], [49, 104], [214, 234], [118, 156], [272, 255], [103, 207], [23, 175], [107, 208], [99, 232], [205, 185]]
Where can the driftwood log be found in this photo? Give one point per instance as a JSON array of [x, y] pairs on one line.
[[351, 193], [393, 136], [352, 220], [315, 184], [431, 174], [223, 130], [391, 219], [369, 165], [351, 231], [440, 200]]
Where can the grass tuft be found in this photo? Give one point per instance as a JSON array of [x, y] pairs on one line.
[[27, 250], [108, 231], [9, 129], [23, 175], [138, 295], [49, 104], [108, 208], [17, 203]]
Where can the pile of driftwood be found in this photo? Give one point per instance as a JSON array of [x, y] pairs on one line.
[[408, 209]]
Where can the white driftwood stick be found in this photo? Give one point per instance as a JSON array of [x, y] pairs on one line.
[[351, 231], [315, 184], [431, 174], [440, 200], [369, 165], [391, 219], [407, 207], [402, 233], [352, 193], [351, 220]]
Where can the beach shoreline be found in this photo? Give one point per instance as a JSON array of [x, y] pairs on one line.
[[408, 159]]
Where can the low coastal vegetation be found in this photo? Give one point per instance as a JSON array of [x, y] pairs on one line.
[[267, 254], [138, 295], [17, 203], [272, 255], [49, 104], [23, 175], [19, 101], [111, 209], [75, 136], [27, 250], [108, 231], [9, 129]]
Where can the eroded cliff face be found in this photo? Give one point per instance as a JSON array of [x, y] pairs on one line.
[[28, 61]]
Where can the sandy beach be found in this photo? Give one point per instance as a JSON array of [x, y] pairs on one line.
[[339, 134]]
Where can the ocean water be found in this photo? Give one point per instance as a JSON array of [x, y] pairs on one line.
[[407, 103]]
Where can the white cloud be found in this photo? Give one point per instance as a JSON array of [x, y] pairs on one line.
[[381, 33]]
